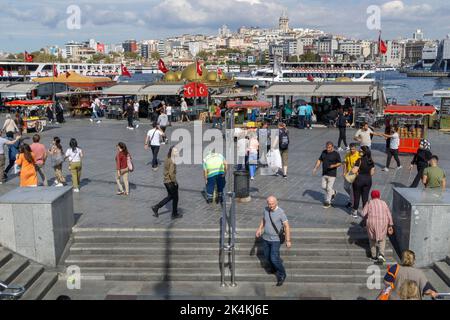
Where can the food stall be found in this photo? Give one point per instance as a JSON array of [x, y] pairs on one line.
[[412, 122], [244, 111], [33, 113], [444, 114]]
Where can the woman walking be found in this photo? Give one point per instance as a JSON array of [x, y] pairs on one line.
[[421, 160], [75, 156], [9, 125], [28, 175], [171, 184], [57, 157], [253, 147], [379, 224], [365, 169], [122, 168]]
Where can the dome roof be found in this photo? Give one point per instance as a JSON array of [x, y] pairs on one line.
[[178, 75], [190, 73], [170, 76], [212, 76]]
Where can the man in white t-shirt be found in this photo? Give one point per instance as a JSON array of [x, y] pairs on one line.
[[184, 109], [95, 107], [153, 138], [393, 148], [169, 114], [364, 135]]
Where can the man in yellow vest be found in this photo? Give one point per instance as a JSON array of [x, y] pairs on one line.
[[214, 169]]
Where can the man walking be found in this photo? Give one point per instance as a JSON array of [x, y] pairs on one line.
[[163, 122], [433, 176], [94, 116], [214, 170], [330, 160], [217, 120], [393, 149], [153, 139], [184, 110], [4, 142], [171, 184], [129, 112], [364, 135], [302, 116], [272, 224], [349, 162], [40, 156], [342, 126], [308, 116]]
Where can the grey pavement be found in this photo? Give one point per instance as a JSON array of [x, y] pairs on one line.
[[300, 195]]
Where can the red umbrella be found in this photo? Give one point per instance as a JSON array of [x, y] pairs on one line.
[[28, 103]]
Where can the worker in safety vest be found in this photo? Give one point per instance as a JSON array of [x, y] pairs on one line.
[[214, 168]]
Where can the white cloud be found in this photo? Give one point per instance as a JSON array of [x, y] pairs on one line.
[[398, 8]]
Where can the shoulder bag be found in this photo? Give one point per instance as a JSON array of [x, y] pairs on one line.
[[281, 233]]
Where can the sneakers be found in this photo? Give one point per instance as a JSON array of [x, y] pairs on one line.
[[347, 148], [385, 170], [398, 168], [355, 214], [177, 216], [59, 185], [76, 190], [137, 126], [326, 205], [98, 122], [284, 176], [340, 149], [381, 259], [252, 178], [91, 120]]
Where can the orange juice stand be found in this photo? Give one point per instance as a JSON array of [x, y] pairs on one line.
[[412, 123]]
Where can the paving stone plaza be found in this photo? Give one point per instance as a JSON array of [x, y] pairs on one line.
[[98, 208]]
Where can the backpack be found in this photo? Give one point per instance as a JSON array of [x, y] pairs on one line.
[[284, 140]]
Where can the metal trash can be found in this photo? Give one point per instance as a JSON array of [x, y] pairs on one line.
[[242, 184]]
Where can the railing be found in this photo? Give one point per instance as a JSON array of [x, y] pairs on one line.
[[11, 292]]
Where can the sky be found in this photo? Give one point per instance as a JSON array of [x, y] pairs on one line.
[[31, 25]]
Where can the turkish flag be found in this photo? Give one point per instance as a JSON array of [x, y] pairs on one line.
[[125, 71], [55, 71], [1, 72], [199, 68], [28, 57], [190, 90], [382, 45], [67, 74], [310, 78], [219, 72], [202, 90], [162, 67]]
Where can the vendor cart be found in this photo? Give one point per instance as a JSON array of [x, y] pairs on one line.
[[32, 112], [248, 114], [412, 123]]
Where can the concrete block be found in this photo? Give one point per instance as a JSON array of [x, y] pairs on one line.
[[37, 222], [422, 219]]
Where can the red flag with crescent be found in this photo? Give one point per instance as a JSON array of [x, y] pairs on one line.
[[202, 90], [189, 90], [28, 57], [310, 78], [199, 68], [125, 71], [382, 45], [162, 66], [55, 71], [1, 72], [219, 72]]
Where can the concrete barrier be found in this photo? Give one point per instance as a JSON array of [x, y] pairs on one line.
[[422, 223], [37, 222]]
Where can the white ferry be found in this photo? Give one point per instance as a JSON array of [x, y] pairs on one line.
[[19, 71], [308, 72]]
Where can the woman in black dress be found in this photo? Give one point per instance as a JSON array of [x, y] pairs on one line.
[[365, 168]]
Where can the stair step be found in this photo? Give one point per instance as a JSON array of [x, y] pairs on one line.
[[28, 276], [443, 270], [5, 256], [436, 281], [12, 269], [41, 286], [447, 260]]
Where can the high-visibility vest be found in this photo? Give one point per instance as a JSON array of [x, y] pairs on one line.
[[214, 164]]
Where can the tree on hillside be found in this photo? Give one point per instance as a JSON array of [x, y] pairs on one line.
[[155, 55]]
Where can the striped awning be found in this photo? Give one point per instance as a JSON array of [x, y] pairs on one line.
[[410, 110], [162, 90]]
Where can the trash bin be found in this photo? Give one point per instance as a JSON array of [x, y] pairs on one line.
[[242, 184]]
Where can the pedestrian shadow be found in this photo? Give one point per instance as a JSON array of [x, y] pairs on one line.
[[315, 195], [379, 147], [85, 182], [356, 236], [258, 252], [77, 217]]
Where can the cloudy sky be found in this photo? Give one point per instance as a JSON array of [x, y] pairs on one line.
[[30, 24]]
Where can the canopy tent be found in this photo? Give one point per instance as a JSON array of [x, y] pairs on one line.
[[333, 89], [18, 88], [74, 79], [124, 89], [248, 104], [72, 93], [410, 110], [233, 95], [28, 103], [162, 90]]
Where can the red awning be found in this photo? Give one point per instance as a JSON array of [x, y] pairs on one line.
[[248, 104], [28, 103], [410, 110]]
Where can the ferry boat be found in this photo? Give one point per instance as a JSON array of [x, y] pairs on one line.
[[308, 72], [25, 71]]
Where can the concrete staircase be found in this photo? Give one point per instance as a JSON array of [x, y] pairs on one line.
[[443, 270], [16, 270], [318, 256]]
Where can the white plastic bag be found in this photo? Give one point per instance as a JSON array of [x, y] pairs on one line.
[[274, 159], [16, 169]]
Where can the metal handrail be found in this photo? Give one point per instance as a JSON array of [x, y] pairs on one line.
[[11, 292]]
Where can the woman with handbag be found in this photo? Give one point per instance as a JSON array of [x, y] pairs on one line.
[[75, 156], [57, 158], [379, 224], [365, 169], [349, 177], [28, 174], [123, 161]]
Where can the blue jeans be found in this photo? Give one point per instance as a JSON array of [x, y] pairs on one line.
[[272, 255], [253, 161], [309, 121], [94, 115], [218, 180], [217, 121], [301, 123]]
